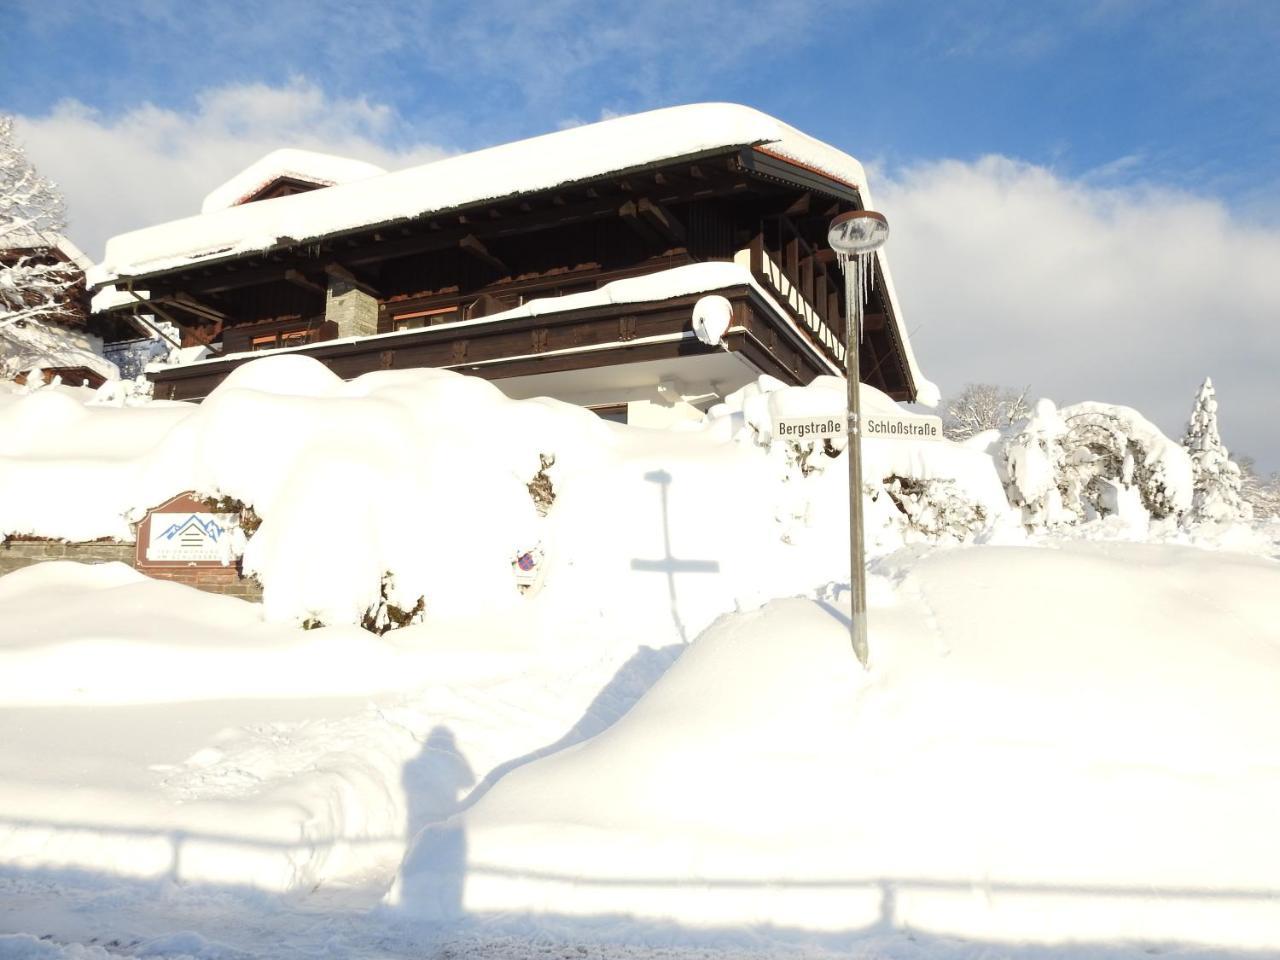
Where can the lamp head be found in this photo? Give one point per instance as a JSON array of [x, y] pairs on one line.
[[858, 231]]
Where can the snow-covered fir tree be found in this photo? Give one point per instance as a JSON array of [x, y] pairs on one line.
[[32, 217], [1216, 478]]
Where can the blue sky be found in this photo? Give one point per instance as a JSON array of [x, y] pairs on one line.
[[1181, 91], [1115, 124]]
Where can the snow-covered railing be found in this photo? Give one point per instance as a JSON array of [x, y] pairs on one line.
[[805, 290]]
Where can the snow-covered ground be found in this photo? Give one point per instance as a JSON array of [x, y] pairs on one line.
[[1067, 743]]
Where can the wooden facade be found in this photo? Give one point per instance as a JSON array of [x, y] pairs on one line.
[[435, 278]]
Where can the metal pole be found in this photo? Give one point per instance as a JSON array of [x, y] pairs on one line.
[[853, 449]]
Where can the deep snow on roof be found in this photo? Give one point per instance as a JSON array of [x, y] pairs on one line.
[[26, 239], [322, 169], [538, 163]]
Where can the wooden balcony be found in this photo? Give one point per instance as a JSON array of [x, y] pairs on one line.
[[806, 283]]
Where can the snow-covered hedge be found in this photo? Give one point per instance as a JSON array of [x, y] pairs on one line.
[[1066, 465]]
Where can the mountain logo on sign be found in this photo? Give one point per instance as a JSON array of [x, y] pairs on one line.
[[192, 532]]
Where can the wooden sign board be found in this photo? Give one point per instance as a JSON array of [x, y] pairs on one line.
[[181, 532]]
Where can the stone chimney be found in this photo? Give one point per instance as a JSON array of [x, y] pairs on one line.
[[350, 306]]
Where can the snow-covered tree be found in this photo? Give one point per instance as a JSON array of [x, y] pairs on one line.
[[1216, 478], [1112, 448], [1262, 494], [1092, 459], [1032, 464], [983, 406], [32, 286]]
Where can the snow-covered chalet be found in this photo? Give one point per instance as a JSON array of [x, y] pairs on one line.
[[567, 265], [56, 340]]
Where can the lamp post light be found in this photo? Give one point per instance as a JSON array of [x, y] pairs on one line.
[[855, 236]]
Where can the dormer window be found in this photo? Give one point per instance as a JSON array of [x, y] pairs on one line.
[[282, 187], [283, 173]]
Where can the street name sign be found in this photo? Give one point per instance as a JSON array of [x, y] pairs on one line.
[[881, 427], [809, 428]]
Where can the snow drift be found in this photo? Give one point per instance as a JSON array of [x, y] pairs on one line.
[[1057, 741], [1006, 771]]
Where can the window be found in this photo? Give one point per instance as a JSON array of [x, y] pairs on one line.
[[424, 318], [285, 338]]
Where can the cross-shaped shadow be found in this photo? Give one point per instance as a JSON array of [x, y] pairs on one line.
[[671, 565]]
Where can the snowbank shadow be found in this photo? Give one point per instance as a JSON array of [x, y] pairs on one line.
[[434, 871], [628, 685]]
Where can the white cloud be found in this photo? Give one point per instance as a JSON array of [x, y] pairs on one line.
[[149, 165], [1014, 275]]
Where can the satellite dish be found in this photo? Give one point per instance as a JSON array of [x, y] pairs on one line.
[[858, 231]]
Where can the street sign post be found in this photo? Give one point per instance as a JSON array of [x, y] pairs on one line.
[[855, 236]]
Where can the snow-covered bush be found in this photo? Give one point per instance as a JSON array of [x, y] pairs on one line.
[[1075, 463], [124, 393], [1113, 442], [1032, 464], [1217, 480], [926, 488], [935, 507], [385, 616]]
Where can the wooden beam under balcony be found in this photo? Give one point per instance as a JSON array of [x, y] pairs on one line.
[[343, 273], [298, 279], [471, 245]]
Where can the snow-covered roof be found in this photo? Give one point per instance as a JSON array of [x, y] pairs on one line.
[[35, 239], [539, 163], [48, 345], [321, 169]]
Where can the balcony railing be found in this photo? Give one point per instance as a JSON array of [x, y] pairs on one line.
[[803, 281]]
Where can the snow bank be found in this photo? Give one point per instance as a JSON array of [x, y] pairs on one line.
[[72, 636], [1054, 744], [72, 471], [355, 478], [971, 471], [1005, 772], [150, 731]]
